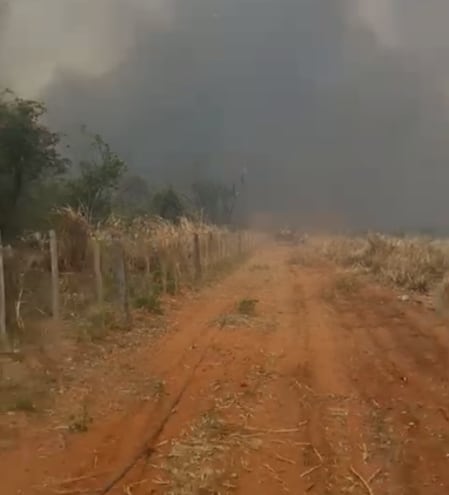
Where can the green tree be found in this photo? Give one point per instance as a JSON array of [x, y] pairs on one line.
[[29, 158], [214, 200], [168, 204], [133, 196], [92, 192]]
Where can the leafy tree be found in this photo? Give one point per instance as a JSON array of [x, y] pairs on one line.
[[168, 204], [29, 157], [215, 201], [93, 190], [133, 196]]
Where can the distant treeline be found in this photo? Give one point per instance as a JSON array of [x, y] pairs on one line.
[[37, 176]]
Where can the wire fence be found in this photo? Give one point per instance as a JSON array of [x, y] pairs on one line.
[[108, 273]]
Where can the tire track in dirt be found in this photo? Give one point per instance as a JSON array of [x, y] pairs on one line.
[[303, 397], [323, 389], [107, 446], [253, 359], [405, 391], [337, 415]]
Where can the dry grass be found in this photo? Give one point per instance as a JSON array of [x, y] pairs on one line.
[[247, 307], [304, 257], [159, 258], [196, 462], [441, 297], [245, 316], [415, 264], [345, 285], [73, 232], [233, 321]]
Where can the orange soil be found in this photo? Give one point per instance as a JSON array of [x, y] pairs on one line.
[[337, 392]]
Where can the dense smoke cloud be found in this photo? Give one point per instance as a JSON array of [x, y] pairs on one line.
[[328, 117]]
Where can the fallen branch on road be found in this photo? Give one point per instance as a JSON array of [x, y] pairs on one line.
[[363, 480]]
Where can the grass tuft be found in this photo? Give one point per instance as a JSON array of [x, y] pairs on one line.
[[247, 307]]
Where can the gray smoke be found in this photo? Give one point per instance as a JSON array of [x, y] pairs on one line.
[[327, 117]]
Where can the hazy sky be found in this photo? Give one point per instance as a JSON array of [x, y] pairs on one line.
[[335, 106]]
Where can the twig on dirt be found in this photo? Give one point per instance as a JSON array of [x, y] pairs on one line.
[[77, 479], [310, 471], [128, 489], [75, 491], [277, 477], [320, 457], [160, 444], [444, 413], [303, 385], [278, 442], [228, 485], [159, 481], [362, 480], [285, 459], [374, 475], [275, 430], [19, 319], [146, 449]]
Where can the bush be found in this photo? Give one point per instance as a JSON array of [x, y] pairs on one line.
[[415, 264]]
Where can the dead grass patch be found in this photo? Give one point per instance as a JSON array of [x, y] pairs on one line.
[[158, 388], [80, 421], [303, 258], [97, 323], [441, 297], [21, 398], [259, 267], [345, 285], [247, 307], [199, 461], [415, 264], [233, 321], [243, 316]]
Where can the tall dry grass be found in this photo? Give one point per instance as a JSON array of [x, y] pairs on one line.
[[415, 263], [160, 258]]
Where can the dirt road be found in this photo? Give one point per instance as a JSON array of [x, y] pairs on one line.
[[332, 386]]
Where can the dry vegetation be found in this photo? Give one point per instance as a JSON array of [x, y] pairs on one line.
[[413, 264], [161, 259]]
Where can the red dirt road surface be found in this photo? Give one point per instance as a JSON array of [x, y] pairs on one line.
[[332, 385]]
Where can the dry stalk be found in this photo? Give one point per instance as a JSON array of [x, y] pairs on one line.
[[128, 489], [362, 480], [320, 457], [310, 471], [276, 476], [77, 479], [276, 430], [285, 459], [374, 475]]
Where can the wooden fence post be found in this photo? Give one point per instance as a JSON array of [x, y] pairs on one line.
[[4, 341], [98, 274], [197, 257], [55, 308], [211, 250], [147, 266], [164, 272], [204, 247], [123, 282]]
